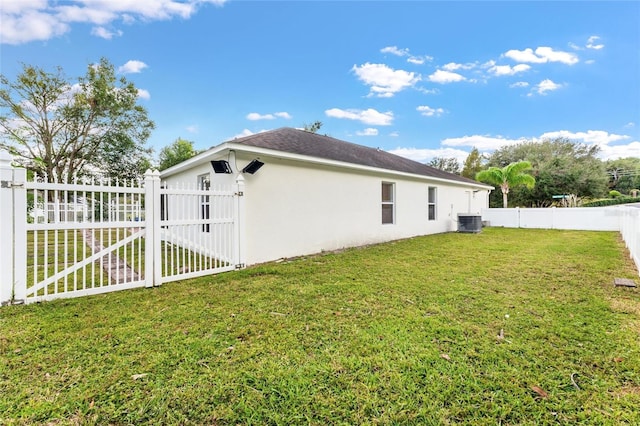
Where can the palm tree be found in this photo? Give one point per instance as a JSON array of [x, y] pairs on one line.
[[508, 177]]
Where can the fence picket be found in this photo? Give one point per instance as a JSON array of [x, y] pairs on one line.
[[96, 236]]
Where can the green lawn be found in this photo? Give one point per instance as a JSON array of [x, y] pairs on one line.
[[504, 327]]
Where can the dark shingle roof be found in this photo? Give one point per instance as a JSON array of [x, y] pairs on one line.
[[310, 144]]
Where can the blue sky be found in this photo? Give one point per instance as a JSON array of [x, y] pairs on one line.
[[417, 78]]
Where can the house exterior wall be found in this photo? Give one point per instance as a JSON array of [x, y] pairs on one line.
[[295, 208]]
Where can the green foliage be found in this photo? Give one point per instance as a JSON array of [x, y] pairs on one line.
[[313, 127], [443, 329], [472, 164], [179, 151], [624, 174], [65, 130], [450, 165], [507, 177], [614, 194], [559, 166], [612, 201]]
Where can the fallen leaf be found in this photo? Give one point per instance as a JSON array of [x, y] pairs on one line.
[[501, 334], [139, 376], [618, 359], [540, 391], [445, 356]]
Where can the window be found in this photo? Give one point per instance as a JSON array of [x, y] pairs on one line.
[[388, 197], [204, 183], [431, 203]]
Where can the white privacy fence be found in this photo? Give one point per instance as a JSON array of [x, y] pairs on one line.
[[624, 219], [69, 240]]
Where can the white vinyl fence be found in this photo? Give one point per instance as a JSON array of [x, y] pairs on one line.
[[624, 219], [69, 240]]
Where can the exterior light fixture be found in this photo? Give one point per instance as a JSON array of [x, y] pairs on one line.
[[253, 167], [221, 166]]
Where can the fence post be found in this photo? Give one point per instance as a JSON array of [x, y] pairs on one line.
[[152, 267], [13, 232], [239, 224]]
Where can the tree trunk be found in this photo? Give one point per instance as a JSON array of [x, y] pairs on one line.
[[504, 198]]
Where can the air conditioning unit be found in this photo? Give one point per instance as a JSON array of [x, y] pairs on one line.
[[469, 222]]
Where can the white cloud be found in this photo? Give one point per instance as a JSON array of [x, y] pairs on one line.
[[419, 60], [144, 94], [369, 131], [394, 50], [423, 155], [519, 84], [394, 134], [500, 70], [483, 143], [525, 55], [609, 144], [591, 43], [546, 86], [29, 25], [369, 116], [104, 33], [427, 91], [242, 134], [132, 67], [384, 81], [430, 112], [192, 128], [597, 137], [253, 116], [443, 77], [452, 66], [30, 20], [630, 125], [575, 46], [614, 152], [603, 140], [542, 55], [246, 132]]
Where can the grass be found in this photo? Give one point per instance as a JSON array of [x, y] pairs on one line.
[[44, 243], [400, 333]]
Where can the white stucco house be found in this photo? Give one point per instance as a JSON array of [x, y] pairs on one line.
[[305, 193]]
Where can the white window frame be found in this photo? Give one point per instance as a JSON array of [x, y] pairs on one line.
[[391, 202], [432, 204]]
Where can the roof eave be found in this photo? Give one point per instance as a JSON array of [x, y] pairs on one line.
[[238, 147]]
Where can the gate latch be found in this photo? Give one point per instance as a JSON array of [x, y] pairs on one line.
[[10, 184]]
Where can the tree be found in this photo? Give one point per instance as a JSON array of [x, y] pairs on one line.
[[450, 165], [64, 130], [313, 127], [559, 166], [624, 174], [175, 153], [124, 159], [472, 165], [508, 177]]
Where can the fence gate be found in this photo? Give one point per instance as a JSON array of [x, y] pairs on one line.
[[69, 240], [84, 239], [199, 230]]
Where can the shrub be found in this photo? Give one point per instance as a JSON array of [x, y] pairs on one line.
[[612, 201]]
